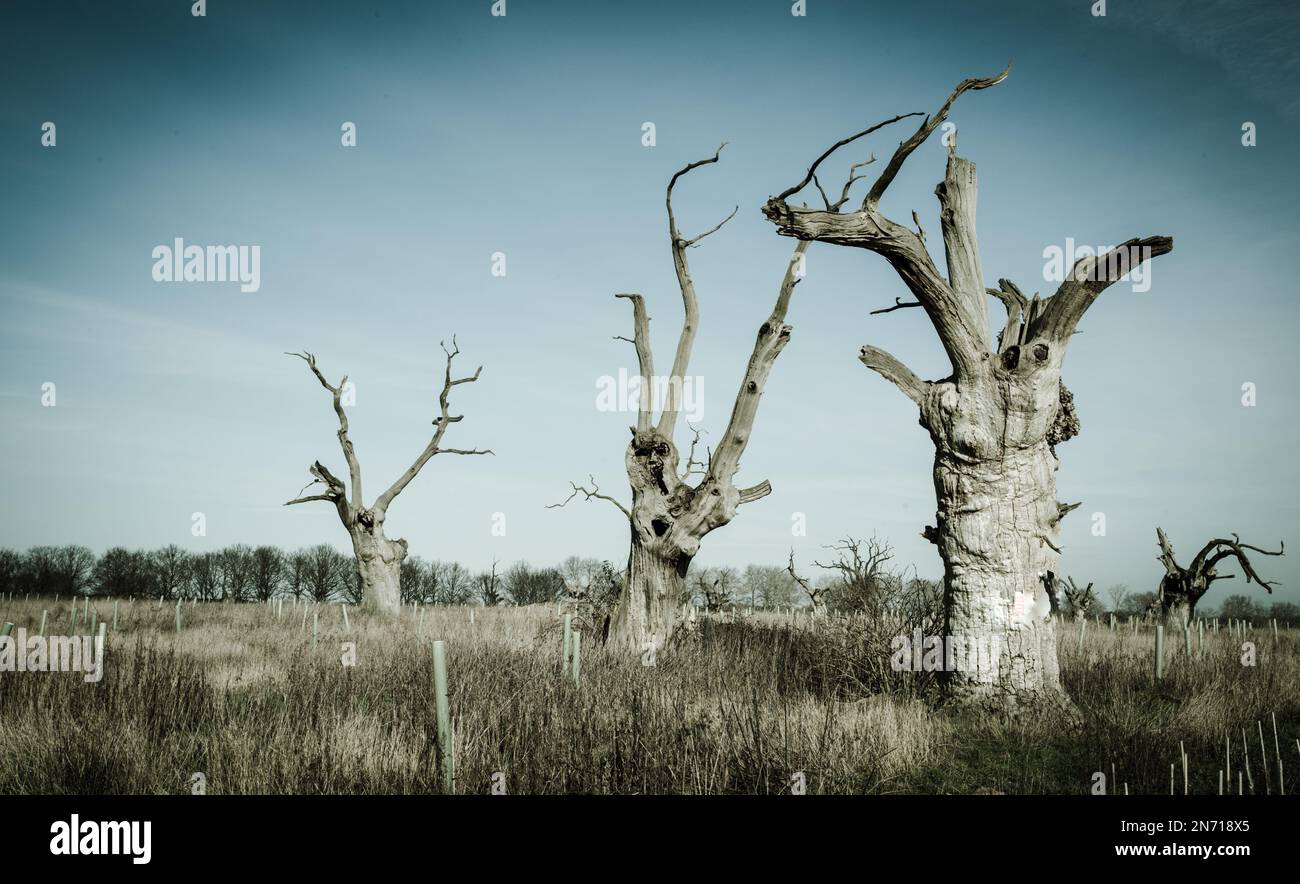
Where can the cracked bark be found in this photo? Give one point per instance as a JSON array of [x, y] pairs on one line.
[[994, 422]]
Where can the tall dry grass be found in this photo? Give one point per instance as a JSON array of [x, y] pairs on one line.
[[240, 696]]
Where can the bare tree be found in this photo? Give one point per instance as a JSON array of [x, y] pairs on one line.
[[268, 571], [490, 589], [816, 592], [770, 586], [1181, 588], [673, 505], [299, 565], [323, 571], [1118, 594], [205, 576], [237, 569], [172, 567], [525, 585], [995, 421], [861, 569], [457, 587], [379, 560], [1080, 599]]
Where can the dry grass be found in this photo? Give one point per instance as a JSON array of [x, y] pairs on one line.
[[241, 696]]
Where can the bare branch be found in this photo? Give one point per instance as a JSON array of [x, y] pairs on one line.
[[692, 462], [893, 371], [441, 421], [334, 493], [645, 359], [812, 170], [918, 138], [756, 492], [1088, 278], [354, 466], [772, 338], [690, 243], [1234, 548], [899, 304], [590, 494], [690, 305]]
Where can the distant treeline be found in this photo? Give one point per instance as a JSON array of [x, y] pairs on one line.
[[855, 580], [243, 573]]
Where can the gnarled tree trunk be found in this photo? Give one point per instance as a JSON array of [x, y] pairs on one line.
[[994, 421], [379, 567], [1182, 588], [671, 512], [997, 528]]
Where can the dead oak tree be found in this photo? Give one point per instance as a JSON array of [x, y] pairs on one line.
[[673, 506], [378, 559], [994, 421], [1181, 588]]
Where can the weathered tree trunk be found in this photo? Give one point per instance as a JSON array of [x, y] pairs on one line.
[[994, 422], [997, 528], [652, 596], [379, 567]]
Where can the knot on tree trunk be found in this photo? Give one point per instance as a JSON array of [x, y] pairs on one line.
[[1066, 424]]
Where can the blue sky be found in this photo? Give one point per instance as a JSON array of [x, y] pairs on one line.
[[522, 135]]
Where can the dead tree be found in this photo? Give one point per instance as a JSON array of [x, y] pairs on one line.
[[994, 422], [379, 560], [816, 594], [1080, 598], [675, 506], [1181, 588]]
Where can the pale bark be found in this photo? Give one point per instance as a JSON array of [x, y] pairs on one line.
[[672, 510], [994, 422], [378, 559]]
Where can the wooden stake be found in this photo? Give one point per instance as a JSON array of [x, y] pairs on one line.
[[1277, 748], [577, 658], [566, 647], [1263, 757], [1160, 651], [446, 761]]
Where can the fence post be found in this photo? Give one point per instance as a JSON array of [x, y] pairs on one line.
[[347, 627], [567, 646], [1160, 651], [1083, 625], [577, 658], [44, 614], [315, 626], [115, 615], [446, 761], [178, 616]]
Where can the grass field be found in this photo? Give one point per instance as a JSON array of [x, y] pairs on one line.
[[241, 696]]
